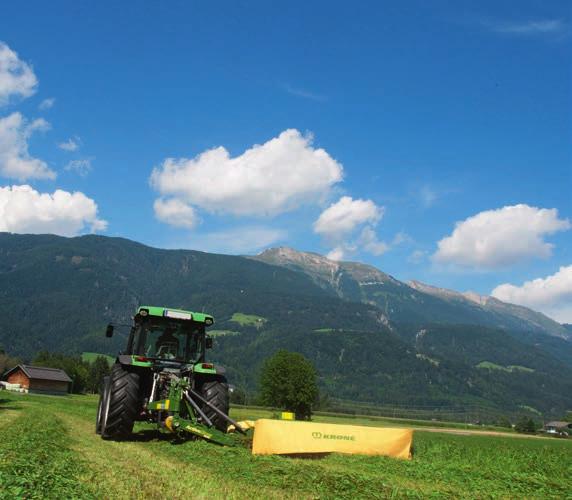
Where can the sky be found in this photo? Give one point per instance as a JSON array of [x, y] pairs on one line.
[[429, 139]]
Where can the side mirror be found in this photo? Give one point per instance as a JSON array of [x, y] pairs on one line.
[[109, 331], [209, 342]]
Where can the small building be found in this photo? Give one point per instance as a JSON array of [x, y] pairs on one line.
[[558, 427], [39, 379]]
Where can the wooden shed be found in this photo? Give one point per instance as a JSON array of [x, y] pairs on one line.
[[39, 379]]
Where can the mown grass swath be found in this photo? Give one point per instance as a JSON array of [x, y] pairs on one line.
[[35, 458], [83, 466]]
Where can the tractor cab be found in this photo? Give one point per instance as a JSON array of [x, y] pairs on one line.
[[169, 334], [158, 338], [170, 340]]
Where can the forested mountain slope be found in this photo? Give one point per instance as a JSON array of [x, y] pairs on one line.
[[58, 293]]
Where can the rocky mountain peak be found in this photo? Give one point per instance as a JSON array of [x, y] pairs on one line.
[[482, 300], [364, 283], [287, 255], [434, 290], [445, 293]]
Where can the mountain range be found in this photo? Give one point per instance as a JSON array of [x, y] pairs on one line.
[[372, 337], [413, 301]]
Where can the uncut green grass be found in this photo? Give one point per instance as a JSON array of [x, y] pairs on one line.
[[42, 435], [241, 412]]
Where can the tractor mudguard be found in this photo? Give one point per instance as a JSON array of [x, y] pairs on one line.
[[125, 359], [209, 369], [128, 359]]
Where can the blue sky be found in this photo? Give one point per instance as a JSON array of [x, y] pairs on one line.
[[388, 122]]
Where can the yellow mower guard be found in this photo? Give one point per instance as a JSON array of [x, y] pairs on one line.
[[279, 437]]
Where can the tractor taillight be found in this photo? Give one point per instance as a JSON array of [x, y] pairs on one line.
[[141, 358], [207, 366]]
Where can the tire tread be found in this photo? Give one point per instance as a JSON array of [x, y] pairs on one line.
[[124, 403], [216, 393]]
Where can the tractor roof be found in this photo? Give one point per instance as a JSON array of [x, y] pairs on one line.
[[167, 312]]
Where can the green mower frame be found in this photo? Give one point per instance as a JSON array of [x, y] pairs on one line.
[[162, 377]]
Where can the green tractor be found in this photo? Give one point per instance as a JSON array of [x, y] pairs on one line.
[[163, 377]]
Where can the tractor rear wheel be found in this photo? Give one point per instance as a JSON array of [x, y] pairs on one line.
[[120, 403], [216, 393], [101, 407]]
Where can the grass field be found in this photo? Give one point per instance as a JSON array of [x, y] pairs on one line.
[[241, 412], [48, 449], [90, 357], [248, 319], [222, 333], [509, 369]]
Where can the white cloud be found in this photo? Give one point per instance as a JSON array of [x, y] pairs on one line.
[[551, 295], [81, 167], [47, 104], [72, 144], [502, 237], [240, 240], [349, 225], [402, 238], [369, 242], [25, 210], [342, 217], [17, 79], [15, 160], [528, 28], [175, 212], [268, 179], [337, 253]]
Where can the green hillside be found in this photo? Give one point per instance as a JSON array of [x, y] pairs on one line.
[[382, 367], [90, 357], [248, 319], [59, 293]]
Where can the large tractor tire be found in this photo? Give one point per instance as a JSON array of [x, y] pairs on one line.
[[102, 405], [216, 393], [121, 403]]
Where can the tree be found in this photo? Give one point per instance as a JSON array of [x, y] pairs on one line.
[[527, 425], [238, 396], [504, 422], [6, 361], [98, 369], [288, 381]]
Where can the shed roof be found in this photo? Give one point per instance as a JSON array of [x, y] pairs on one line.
[[42, 373], [558, 424]]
